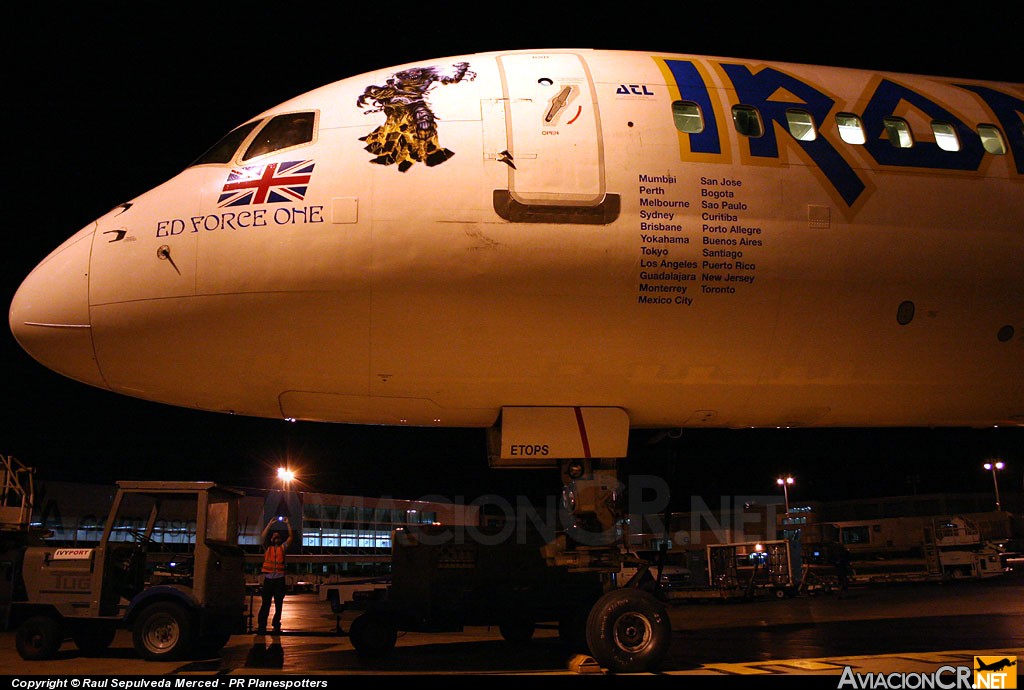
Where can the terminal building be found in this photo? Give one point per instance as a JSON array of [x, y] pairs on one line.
[[338, 537]]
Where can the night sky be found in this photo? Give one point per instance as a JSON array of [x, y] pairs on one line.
[[106, 100]]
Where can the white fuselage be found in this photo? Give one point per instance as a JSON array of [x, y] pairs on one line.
[[573, 248]]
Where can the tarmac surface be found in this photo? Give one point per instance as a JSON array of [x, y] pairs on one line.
[[878, 629]]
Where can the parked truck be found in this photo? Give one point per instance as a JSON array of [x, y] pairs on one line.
[[439, 584], [921, 549], [168, 567]]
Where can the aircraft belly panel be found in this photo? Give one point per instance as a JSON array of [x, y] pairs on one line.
[[236, 353], [364, 409], [503, 307]]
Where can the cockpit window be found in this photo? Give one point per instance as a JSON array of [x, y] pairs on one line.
[[282, 132], [224, 150]]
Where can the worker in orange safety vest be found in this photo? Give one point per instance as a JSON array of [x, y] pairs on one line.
[[273, 573]]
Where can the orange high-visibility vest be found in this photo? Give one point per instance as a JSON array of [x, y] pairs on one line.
[[273, 560]]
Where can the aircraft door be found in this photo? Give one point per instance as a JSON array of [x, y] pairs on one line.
[[553, 143]]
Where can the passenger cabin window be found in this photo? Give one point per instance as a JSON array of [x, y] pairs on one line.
[[224, 150], [898, 131], [747, 121], [282, 132], [945, 136], [850, 128], [801, 125], [992, 139], [687, 117]]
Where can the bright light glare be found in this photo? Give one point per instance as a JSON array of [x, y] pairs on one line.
[[285, 474], [780, 481], [999, 465]]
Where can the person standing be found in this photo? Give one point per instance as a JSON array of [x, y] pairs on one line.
[[844, 569], [273, 573]]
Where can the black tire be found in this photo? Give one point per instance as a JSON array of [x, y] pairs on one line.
[[39, 638], [517, 631], [373, 635], [163, 632], [628, 631], [93, 640]]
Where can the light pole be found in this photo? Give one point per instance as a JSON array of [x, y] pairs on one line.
[[785, 482], [993, 466]]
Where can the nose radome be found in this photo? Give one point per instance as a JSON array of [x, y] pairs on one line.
[[49, 314]]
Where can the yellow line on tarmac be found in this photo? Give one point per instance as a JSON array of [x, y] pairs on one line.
[[836, 664], [735, 669], [810, 665]]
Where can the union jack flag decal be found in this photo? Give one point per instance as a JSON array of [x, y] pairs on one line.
[[273, 183]]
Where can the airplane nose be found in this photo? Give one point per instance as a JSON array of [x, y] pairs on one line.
[[49, 314]]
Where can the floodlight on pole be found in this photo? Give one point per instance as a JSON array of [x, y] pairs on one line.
[[994, 466], [785, 483]]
